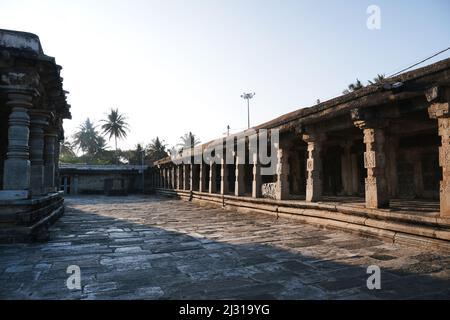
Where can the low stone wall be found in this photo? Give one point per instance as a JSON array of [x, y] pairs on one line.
[[29, 220], [390, 226]]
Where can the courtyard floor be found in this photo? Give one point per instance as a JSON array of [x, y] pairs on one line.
[[149, 247]]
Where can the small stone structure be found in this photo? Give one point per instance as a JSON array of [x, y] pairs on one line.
[[103, 179], [32, 108], [375, 161]]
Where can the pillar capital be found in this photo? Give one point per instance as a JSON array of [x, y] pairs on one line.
[[314, 137], [363, 119], [439, 110]]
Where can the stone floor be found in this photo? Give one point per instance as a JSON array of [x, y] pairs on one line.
[[155, 248]]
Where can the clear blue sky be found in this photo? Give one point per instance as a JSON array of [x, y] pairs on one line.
[[179, 66]]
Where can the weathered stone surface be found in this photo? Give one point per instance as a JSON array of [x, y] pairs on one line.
[[179, 250]]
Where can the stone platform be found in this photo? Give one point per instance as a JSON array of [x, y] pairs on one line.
[[148, 247], [29, 220], [409, 222]]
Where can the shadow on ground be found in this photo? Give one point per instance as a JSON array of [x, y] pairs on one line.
[[157, 248]]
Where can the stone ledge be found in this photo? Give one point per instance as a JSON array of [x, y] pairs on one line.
[[391, 227], [31, 220]]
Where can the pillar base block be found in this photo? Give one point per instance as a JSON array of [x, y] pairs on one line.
[[14, 194]]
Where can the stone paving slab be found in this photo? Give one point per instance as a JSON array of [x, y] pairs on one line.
[[149, 247]]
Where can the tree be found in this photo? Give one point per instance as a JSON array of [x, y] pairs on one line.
[[66, 149], [156, 149], [353, 87], [379, 79], [188, 140], [88, 140], [135, 156], [115, 126]]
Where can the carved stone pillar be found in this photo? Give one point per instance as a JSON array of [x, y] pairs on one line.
[[314, 184], [191, 176], [16, 175], [355, 173], [239, 186], [56, 162], [376, 189], [441, 112], [38, 120], [187, 177], [391, 165], [49, 160], [282, 189], [169, 178], [212, 177], [257, 181], [223, 177], [202, 187], [179, 178], [346, 169], [174, 177]]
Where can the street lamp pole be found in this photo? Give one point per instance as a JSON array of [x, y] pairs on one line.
[[143, 171], [248, 96]]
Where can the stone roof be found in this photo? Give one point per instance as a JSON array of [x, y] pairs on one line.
[[26, 47], [93, 167], [413, 84]]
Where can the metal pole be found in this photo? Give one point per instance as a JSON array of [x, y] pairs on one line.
[[248, 112], [143, 171]]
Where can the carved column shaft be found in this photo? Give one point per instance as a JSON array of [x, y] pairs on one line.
[[223, 177], [16, 176], [191, 176], [257, 181], [38, 120], [314, 184], [174, 177], [187, 177], [202, 187], [212, 177], [239, 186], [375, 162], [49, 161], [441, 112], [346, 169], [282, 189], [179, 183]]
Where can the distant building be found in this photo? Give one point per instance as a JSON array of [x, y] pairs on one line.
[[32, 108], [103, 179]]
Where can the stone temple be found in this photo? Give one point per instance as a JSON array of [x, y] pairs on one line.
[[263, 211], [375, 161], [32, 108]]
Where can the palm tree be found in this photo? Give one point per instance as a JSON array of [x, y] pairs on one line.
[[156, 149], [88, 139], [115, 125], [66, 149], [353, 87], [379, 79], [188, 140]]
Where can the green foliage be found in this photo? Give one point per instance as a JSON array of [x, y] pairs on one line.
[[115, 125], [188, 140], [88, 140], [156, 150]]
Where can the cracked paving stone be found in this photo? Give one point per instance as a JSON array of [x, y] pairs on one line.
[[149, 247]]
